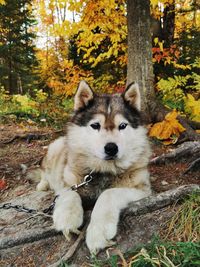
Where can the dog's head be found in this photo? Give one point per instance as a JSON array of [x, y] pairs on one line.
[[107, 128]]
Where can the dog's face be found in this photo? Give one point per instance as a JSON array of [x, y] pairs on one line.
[[107, 128]]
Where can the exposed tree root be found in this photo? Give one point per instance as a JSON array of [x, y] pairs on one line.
[[159, 201], [189, 134], [194, 166], [28, 237], [185, 150]]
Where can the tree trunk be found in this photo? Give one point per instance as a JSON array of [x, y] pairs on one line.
[[140, 68]]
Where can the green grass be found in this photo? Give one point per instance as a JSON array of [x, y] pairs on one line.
[[185, 224], [156, 254]]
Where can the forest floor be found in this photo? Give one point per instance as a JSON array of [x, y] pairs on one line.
[[22, 147], [24, 144]]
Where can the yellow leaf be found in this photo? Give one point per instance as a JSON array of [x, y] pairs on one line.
[[171, 116], [161, 45], [192, 107], [156, 40], [154, 2], [169, 129]]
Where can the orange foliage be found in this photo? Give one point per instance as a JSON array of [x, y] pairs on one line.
[[168, 130]]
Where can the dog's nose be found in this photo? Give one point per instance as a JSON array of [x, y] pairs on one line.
[[111, 149]]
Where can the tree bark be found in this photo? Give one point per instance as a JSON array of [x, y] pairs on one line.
[[140, 68]]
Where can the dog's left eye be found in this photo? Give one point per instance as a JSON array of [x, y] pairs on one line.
[[95, 126], [122, 126]]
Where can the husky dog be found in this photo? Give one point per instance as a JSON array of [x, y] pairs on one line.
[[105, 136]]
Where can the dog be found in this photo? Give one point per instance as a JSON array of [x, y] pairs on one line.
[[104, 137]]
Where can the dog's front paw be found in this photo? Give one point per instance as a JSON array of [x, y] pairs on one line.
[[99, 236], [68, 213]]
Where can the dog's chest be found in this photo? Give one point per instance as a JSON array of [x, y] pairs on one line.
[[100, 182]]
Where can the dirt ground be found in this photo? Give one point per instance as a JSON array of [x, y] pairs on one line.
[[24, 144]]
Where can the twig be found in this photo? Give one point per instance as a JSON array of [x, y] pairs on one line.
[[72, 249], [28, 137]]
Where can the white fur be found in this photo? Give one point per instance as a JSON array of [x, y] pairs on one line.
[[133, 95], [105, 215], [68, 212], [131, 143], [83, 95], [58, 175]]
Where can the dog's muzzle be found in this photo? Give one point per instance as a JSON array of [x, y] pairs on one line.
[[111, 150]]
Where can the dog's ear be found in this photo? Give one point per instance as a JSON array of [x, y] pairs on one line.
[[132, 95], [83, 95]]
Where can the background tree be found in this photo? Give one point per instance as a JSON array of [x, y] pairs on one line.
[[17, 50], [140, 68]]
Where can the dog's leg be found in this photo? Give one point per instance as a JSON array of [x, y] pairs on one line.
[[105, 216], [68, 212], [43, 185]]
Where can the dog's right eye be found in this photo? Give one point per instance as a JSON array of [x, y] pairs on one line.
[[95, 126]]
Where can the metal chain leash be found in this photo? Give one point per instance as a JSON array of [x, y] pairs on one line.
[[48, 211], [22, 208]]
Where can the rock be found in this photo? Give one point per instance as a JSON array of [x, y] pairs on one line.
[[164, 182]]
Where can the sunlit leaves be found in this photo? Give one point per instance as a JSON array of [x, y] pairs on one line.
[[192, 107], [27, 105], [172, 88], [102, 22], [168, 130]]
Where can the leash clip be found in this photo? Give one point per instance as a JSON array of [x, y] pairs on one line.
[[87, 179]]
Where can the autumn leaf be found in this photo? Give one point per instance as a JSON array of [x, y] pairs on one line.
[[168, 130], [3, 184]]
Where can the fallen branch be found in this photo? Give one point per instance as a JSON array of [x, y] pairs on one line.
[[30, 136], [185, 150]]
